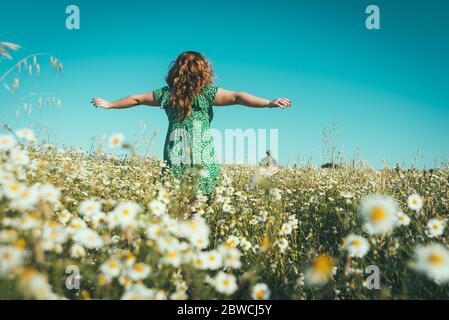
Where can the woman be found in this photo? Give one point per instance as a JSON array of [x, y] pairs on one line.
[[187, 100]]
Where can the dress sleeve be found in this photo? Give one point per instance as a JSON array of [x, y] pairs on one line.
[[158, 94], [209, 92]]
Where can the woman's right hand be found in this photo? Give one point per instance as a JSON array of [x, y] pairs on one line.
[[102, 103], [282, 103]]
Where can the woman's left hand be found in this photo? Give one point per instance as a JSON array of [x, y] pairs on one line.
[[282, 103]]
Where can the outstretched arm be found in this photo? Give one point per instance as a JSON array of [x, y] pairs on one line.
[[227, 98], [128, 102]]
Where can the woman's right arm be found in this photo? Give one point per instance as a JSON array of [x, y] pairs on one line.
[[128, 102], [227, 98]]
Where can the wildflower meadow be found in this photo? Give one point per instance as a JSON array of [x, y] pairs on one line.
[[78, 225]]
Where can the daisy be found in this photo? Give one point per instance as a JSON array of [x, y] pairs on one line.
[[26, 134], [402, 219], [199, 241], [225, 283], [139, 271], [49, 193], [432, 260], [435, 228], [320, 271], [124, 214], [346, 194], [138, 292], [415, 202], [356, 246], [13, 190], [19, 157], [213, 259], [26, 200], [6, 177], [7, 142], [200, 261], [378, 213], [89, 207], [158, 208], [164, 196], [10, 258], [260, 292], [193, 229], [282, 244], [231, 257], [111, 268], [172, 257], [88, 238], [155, 231], [286, 228], [77, 251], [116, 141], [245, 244], [232, 242]]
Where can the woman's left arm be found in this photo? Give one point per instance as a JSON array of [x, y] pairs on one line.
[[128, 102]]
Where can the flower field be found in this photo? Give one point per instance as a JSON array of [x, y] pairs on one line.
[[127, 230]]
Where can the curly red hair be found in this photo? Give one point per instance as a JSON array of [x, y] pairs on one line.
[[187, 77]]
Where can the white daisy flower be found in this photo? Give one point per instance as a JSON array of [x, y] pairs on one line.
[[111, 268], [260, 292], [19, 157], [10, 258], [158, 208], [231, 256], [320, 271], [172, 257], [49, 193], [282, 244], [286, 228], [26, 134], [138, 291], [214, 259], [116, 141], [433, 260], [88, 238], [124, 215], [7, 142], [346, 194], [139, 271], [77, 251], [13, 189], [415, 202], [435, 228], [402, 219], [378, 213], [356, 246], [225, 283], [89, 207]]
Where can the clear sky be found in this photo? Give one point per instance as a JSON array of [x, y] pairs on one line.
[[387, 90]]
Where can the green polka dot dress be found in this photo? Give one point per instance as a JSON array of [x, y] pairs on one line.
[[188, 144]]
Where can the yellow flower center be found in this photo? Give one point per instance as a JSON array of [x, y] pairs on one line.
[[378, 214], [435, 259], [171, 254], [226, 282], [260, 294], [138, 267], [112, 265], [356, 242], [323, 264], [21, 244]]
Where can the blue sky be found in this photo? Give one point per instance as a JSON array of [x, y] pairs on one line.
[[386, 89]]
